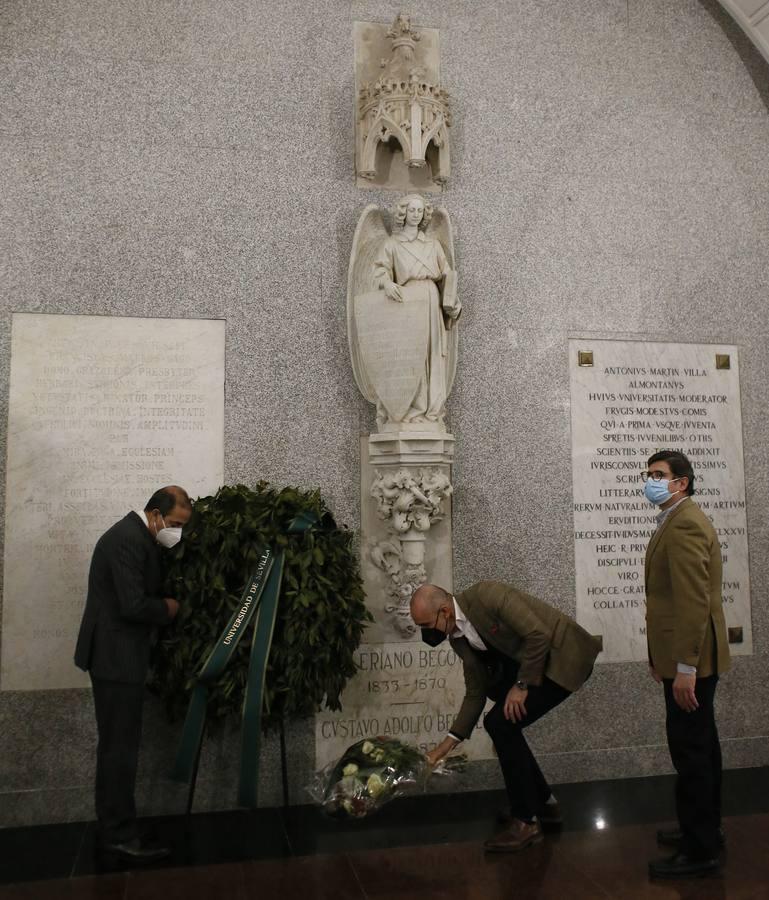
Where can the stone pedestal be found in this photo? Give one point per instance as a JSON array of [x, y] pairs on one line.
[[411, 448], [406, 522]]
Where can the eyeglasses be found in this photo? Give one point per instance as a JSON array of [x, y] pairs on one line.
[[657, 476]]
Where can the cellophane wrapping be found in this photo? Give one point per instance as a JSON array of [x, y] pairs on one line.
[[371, 773]]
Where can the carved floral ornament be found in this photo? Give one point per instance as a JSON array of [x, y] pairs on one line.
[[404, 105], [410, 504]]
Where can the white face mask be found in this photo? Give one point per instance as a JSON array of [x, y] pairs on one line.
[[168, 537]]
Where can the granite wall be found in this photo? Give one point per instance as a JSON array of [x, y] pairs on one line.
[[196, 159]]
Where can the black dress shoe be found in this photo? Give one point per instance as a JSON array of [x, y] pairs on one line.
[[683, 866], [551, 815], [135, 851], [674, 836]]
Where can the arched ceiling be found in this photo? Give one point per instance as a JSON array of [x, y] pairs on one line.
[[753, 17]]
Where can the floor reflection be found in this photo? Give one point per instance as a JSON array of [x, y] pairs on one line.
[[429, 847]]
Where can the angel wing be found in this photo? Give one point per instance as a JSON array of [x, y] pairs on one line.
[[440, 228], [370, 235]]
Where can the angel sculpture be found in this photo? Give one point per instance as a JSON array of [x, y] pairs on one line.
[[401, 308]]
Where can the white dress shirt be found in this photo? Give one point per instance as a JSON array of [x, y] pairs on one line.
[[465, 629]]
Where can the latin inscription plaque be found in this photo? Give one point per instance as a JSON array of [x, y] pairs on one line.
[[103, 410], [405, 690], [630, 399]]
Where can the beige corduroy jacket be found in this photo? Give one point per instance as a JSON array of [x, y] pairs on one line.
[[684, 615]]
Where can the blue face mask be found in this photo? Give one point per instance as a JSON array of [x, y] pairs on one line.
[[657, 491]]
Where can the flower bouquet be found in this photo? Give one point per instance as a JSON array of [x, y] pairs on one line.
[[371, 773]]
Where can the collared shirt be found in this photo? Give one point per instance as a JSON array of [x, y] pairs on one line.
[[683, 668], [664, 513], [143, 516], [465, 629]]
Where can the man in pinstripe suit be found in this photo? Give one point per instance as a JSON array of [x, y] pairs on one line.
[[123, 609]]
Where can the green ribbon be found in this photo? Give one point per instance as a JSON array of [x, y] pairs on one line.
[[259, 602]]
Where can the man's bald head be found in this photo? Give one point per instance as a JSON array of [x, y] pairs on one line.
[[180, 495], [169, 507], [167, 499], [426, 601]]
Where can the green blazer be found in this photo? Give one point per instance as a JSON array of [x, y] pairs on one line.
[[684, 616], [541, 638]]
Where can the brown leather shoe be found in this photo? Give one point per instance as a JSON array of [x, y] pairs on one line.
[[517, 836], [550, 817]]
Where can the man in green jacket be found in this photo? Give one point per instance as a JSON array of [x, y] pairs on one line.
[[527, 657]]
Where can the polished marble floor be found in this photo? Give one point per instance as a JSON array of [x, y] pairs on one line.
[[424, 848]]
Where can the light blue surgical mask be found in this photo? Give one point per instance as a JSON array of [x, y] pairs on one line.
[[658, 492]]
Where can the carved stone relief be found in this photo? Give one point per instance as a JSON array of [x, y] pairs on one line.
[[402, 112], [402, 313], [409, 504]]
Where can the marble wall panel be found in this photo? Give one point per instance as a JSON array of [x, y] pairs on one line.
[[631, 399], [196, 159], [103, 411]]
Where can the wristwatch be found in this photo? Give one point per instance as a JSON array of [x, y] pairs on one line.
[[521, 685]]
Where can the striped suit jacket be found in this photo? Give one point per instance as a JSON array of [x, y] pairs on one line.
[[124, 604]]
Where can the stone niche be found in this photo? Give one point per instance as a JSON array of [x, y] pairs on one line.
[[402, 115], [103, 411]]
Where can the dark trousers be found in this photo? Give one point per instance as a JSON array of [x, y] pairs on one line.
[[119, 723], [696, 754], [527, 789]]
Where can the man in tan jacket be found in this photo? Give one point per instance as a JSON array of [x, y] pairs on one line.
[[688, 650], [526, 656]]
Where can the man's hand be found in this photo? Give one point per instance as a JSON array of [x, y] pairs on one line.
[[515, 704], [655, 674], [683, 691], [436, 754], [173, 607], [393, 291]]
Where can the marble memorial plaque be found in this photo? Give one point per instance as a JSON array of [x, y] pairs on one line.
[[630, 399], [404, 690], [403, 687], [103, 411]]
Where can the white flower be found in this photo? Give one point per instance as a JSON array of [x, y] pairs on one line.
[[350, 769], [367, 747], [375, 785]]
